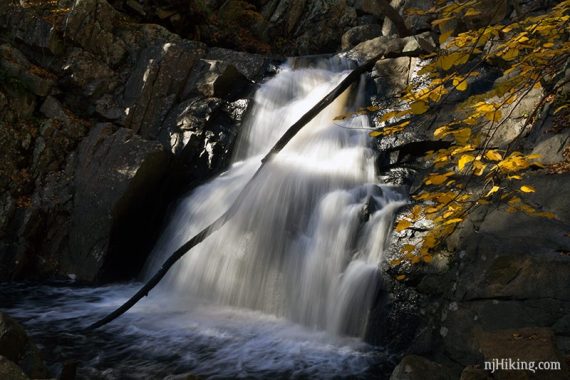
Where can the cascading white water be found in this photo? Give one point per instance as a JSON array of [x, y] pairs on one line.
[[307, 240]]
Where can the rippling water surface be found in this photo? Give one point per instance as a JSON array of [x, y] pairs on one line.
[[154, 340]]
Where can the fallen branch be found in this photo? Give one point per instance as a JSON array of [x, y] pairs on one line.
[[198, 238]]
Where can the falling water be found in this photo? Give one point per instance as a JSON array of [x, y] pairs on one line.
[[282, 291], [307, 240]]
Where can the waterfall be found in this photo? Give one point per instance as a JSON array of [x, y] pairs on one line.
[[307, 241]]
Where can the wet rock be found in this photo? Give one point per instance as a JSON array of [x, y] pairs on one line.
[[413, 367], [358, 34], [202, 133], [252, 66], [221, 80], [16, 346], [114, 165]]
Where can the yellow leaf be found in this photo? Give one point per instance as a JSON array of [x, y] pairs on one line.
[[462, 135], [493, 190], [402, 225], [493, 155], [484, 107], [401, 277], [372, 108], [460, 84], [375, 133], [395, 262], [445, 35], [493, 116], [527, 189], [453, 221], [407, 248], [419, 107], [510, 54], [437, 179], [427, 258], [479, 168], [387, 116], [472, 12], [415, 260], [440, 132], [447, 61], [547, 214], [464, 160], [441, 21]]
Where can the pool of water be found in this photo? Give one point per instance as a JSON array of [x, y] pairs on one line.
[[163, 337]]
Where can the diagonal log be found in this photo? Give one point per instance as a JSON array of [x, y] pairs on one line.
[[218, 223]]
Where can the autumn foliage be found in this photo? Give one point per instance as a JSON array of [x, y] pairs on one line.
[[474, 170]]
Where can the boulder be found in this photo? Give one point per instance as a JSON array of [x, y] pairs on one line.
[[413, 367], [412, 45], [393, 75], [17, 347], [221, 80], [358, 34], [114, 167], [252, 66]]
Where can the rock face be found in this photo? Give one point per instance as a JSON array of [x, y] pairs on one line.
[[103, 122], [114, 168], [18, 351]]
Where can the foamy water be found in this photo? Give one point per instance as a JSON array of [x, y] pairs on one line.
[[282, 291], [300, 246]]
